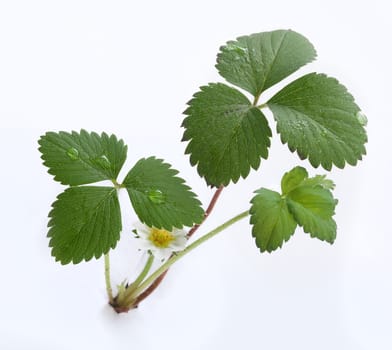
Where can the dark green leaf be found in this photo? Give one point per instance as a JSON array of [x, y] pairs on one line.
[[258, 61], [271, 220], [317, 117], [84, 222], [227, 135], [160, 198], [82, 158]]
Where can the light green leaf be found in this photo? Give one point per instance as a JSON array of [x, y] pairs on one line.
[[293, 179], [271, 220], [82, 158], [319, 180], [298, 176], [227, 135], [313, 208], [84, 222], [159, 198], [258, 61], [317, 117], [305, 201]]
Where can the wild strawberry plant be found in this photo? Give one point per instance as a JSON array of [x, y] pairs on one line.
[[227, 135]]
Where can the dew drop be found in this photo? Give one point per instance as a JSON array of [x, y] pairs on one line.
[[73, 153], [156, 196], [236, 48], [102, 161], [361, 117]]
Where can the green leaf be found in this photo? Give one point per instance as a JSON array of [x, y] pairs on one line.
[[82, 158], [311, 203], [319, 180], [160, 198], [305, 201], [317, 117], [313, 208], [298, 176], [258, 61], [293, 179], [84, 222], [271, 220], [227, 135]]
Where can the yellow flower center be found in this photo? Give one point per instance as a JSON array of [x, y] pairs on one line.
[[160, 238]]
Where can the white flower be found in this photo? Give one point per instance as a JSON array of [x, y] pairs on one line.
[[160, 242]]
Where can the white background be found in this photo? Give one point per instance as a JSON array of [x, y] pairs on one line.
[[129, 68]]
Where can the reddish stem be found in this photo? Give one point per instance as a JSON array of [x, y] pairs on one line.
[[208, 211], [158, 281]]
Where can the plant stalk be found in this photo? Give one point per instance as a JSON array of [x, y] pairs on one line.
[[130, 290], [145, 270], [178, 256], [160, 278], [263, 105], [107, 278]]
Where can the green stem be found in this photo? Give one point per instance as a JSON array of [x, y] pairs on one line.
[[116, 184], [128, 297], [144, 272], [263, 105], [255, 100], [188, 249], [107, 278]]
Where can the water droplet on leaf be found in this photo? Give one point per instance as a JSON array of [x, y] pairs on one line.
[[102, 161], [73, 153], [362, 118], [238, 49], [156, 196]]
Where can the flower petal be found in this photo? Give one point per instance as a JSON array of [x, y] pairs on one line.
[[145, 244], [141, 229], [179, 243], [178, 232], [162, 253]]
